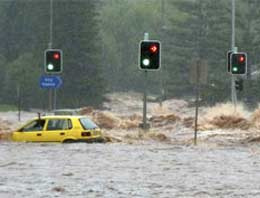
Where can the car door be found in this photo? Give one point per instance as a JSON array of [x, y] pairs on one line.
[[56, 129], [32, 132]]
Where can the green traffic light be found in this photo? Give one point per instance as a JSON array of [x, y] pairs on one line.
[[235, 69], [146, 62], [50, 66]]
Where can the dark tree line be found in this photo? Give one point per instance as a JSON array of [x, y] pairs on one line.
[[25, 36], [188, 29], [100, 43]]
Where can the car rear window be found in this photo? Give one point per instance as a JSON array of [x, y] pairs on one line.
[[87, 123]]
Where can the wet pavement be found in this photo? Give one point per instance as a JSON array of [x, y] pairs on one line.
[[147, 170]]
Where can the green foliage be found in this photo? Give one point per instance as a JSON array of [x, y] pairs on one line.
[[100, 41], [25, 36], [188, 30], [5, 108], [21, 76], [123, 24], [83, 84], [201, 32]]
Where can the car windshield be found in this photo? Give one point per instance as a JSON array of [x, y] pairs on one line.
[[87, 123]]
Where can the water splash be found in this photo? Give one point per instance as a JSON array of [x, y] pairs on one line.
[[224, 116], [173, 121]]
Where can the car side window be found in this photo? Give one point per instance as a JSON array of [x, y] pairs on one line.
[[59, 124], [36, 125]]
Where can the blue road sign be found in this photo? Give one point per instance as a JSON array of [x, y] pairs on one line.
[[50, 82]]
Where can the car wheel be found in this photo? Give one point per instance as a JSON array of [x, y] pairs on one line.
[[69, 141]]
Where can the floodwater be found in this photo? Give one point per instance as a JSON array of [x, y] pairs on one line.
[[145, 170], [160, 164]]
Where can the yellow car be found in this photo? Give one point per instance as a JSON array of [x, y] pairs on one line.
[[65, 128]]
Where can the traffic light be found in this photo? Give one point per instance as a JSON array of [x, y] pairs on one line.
[[53, 61], [239, 84], [150, 55], [238, 63]]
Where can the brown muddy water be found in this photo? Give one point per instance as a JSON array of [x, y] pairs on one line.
[[147, 170], [161, 163]]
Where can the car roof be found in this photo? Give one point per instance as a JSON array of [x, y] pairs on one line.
[[61, 116]]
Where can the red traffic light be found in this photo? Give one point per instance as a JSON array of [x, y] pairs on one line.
[[56, 55], [153, 48], [241, 58]]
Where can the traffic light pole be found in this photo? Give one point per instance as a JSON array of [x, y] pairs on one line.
[[52, 94], [50, 46], [145, 125], [234, 49], [233, 91], [145, 101], [149, 59], [51, 24]]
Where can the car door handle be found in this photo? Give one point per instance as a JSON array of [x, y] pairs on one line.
[[39, 134], [62, 133]]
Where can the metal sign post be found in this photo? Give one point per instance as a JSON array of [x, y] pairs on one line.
[[51, 83], [18, 92], [198, 76], [50, 100], [197, 102]]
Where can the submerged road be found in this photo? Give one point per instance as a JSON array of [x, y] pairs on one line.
[[151, 170]]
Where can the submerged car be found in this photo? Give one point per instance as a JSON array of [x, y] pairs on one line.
[[62, 128]]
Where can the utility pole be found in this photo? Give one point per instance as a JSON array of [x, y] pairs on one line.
[[162, 91], [198, 73]]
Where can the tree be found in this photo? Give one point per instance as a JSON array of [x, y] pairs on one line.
[[248, 40], [123, 24], [200, 31], [21, 76], [75, 31], [78, 36]]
